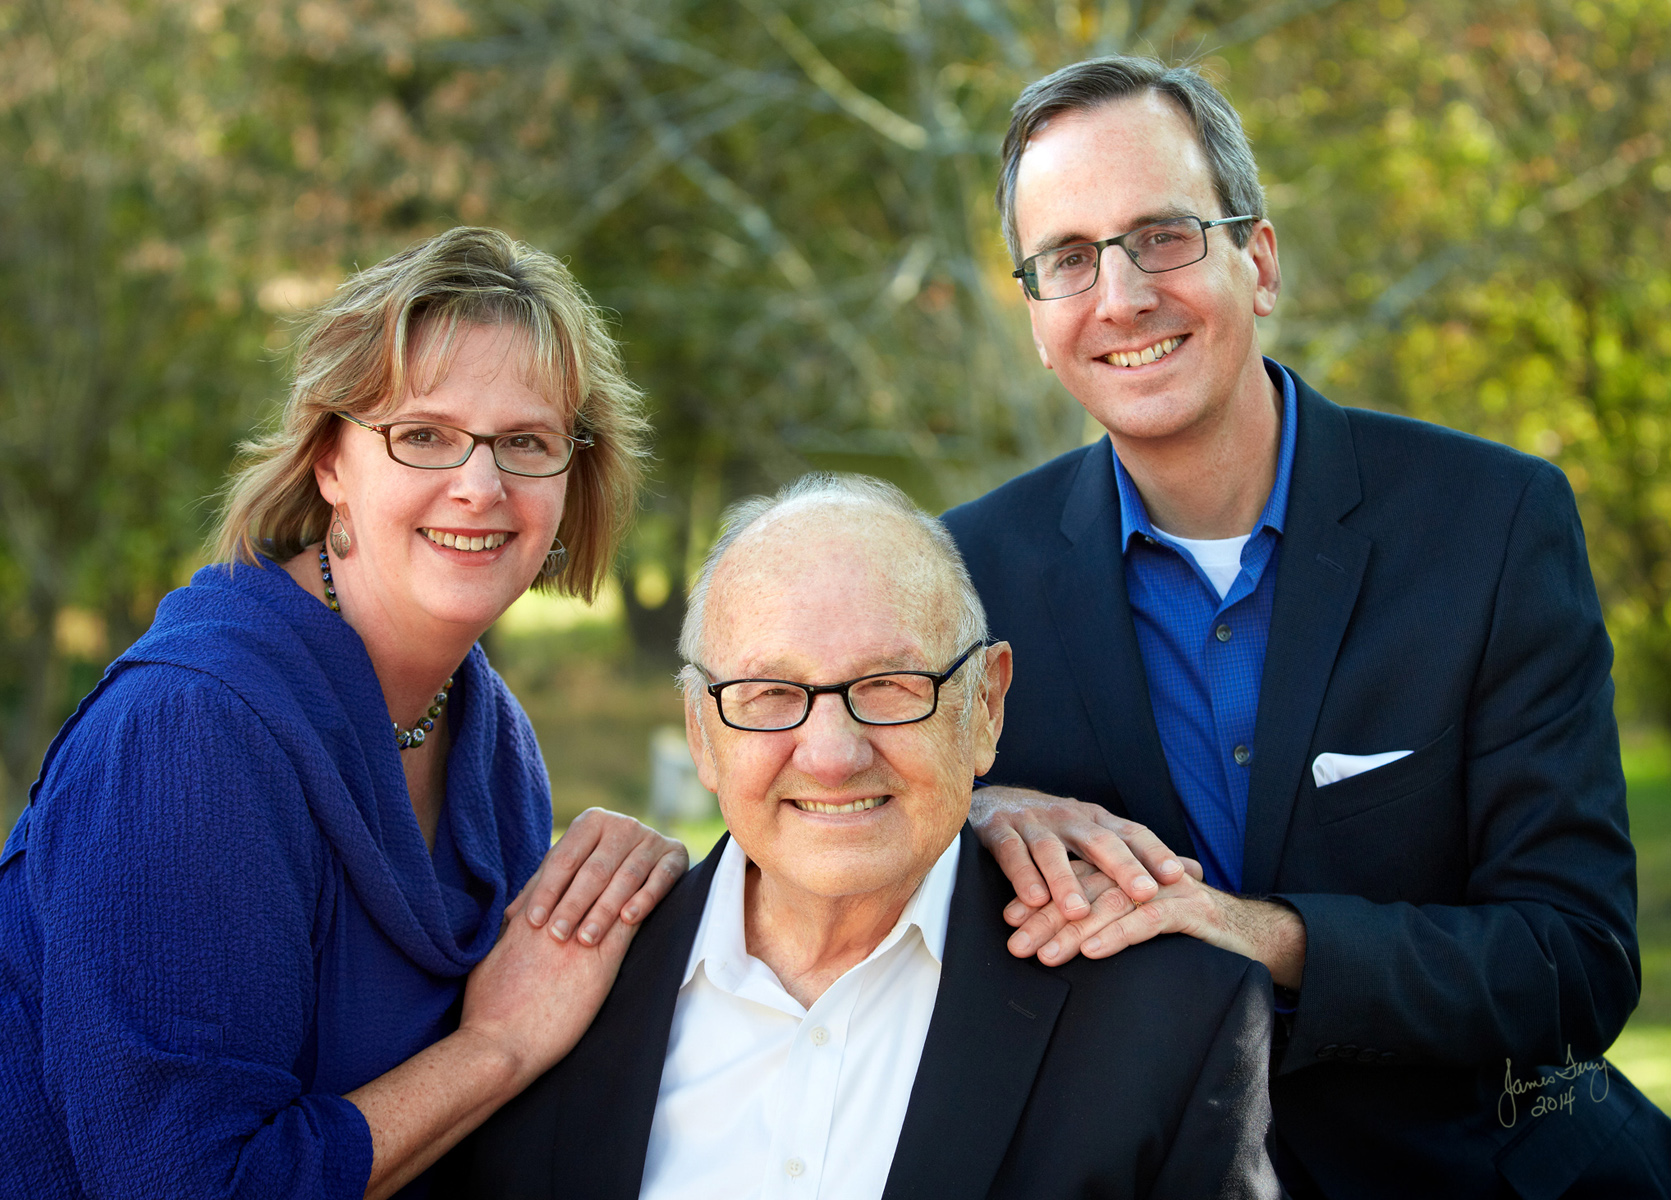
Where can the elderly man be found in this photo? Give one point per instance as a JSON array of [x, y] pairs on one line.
[[1353, 663], [825, 1007]]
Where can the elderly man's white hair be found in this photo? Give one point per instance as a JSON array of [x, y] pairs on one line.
[[820, 489]]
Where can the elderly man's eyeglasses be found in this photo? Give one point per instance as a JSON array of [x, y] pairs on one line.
[[888, 698], [1162, 246], [432, 447]]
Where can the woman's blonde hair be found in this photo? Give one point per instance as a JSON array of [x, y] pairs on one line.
[[355, 354]]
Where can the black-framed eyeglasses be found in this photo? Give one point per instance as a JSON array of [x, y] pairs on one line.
[[433, 447], [1160, 246], [886, 698]]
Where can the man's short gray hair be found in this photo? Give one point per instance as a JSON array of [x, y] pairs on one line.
[[968, 617], [1097, 81]]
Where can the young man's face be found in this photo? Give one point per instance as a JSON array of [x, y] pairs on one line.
[[1102, 172]]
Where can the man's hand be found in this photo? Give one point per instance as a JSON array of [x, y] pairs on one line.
[[1259, 929], [1030, 834], [1052, 935], [604, 865]]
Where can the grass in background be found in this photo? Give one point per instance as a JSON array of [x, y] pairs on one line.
[[1643, 1051]]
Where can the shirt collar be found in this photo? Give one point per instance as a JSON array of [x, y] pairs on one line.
[[720, 940], [1134, 517]]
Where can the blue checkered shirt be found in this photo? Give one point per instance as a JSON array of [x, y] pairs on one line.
[[1204, 656]]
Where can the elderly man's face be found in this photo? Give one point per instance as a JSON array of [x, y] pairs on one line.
[[813, 598]]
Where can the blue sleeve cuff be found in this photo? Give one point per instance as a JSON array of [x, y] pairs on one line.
[[347, 1141]]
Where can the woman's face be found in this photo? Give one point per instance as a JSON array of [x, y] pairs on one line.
[[398, 575]]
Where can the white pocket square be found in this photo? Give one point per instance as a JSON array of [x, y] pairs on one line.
[[1332, 768]]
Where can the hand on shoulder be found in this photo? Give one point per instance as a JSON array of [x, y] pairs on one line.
[[1105, 900], [605, 865]]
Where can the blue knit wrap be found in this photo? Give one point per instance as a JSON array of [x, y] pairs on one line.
[[218, 914]]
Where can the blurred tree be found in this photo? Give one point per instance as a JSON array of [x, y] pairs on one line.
[[175, 176], [126, 356]]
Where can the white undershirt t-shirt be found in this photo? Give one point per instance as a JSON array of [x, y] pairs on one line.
[[762, 1098], [1220, 559]]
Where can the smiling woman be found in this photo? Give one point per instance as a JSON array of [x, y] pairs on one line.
[[251, 935]]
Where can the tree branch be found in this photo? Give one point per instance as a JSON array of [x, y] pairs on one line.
[[834, 84]]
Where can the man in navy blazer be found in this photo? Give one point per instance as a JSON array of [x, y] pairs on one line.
[[825, 1007], [1353, 663]]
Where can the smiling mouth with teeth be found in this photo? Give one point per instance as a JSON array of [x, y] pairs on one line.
[[1138, 358], [491, 541], [813, 806]]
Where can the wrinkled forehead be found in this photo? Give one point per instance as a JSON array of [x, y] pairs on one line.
[[834, 580]]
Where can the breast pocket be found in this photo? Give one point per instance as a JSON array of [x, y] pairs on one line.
[[1384, 785]]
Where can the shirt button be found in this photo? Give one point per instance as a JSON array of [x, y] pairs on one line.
[[1243, 754], [819, 1036], [795, 1167], [1222, 633]]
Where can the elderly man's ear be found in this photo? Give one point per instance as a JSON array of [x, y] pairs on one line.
[[987, 721], [701, 753]]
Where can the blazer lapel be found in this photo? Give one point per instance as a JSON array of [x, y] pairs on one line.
[[1086, 590], [1318, 576], [993, 1019]]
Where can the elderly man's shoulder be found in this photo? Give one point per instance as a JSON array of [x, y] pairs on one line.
[[1171, 956], [1174, 999], [1174, 987]]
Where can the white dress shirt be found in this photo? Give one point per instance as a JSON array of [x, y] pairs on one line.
[[763, 1098]]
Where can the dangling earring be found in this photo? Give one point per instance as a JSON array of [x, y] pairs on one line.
[[340, 541], [556, 559]]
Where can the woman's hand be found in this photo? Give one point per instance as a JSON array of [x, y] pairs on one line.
[[533, 996], [605, 865]]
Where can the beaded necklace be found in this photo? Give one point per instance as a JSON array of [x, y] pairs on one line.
[[406, 739]]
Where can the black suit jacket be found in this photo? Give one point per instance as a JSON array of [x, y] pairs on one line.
[[1469, 907], [1139, 1076]]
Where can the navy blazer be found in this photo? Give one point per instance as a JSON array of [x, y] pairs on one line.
[[1469, 909], [1138, 1076]]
